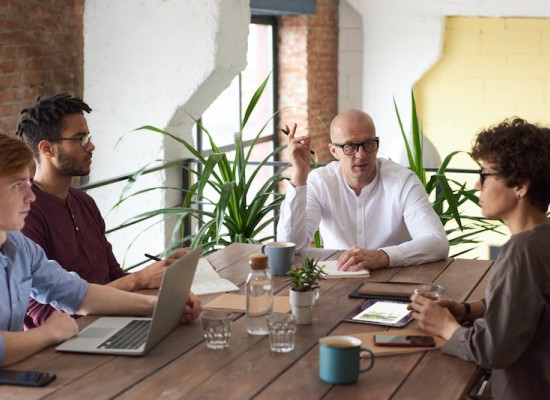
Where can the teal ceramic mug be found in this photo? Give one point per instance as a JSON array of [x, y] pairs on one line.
[[281, 255], [339, 359]]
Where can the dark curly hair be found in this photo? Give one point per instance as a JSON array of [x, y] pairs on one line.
[[43, 121], [520, 152]]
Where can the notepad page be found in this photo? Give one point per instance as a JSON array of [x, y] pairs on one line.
[[208, 281], [332, 271]]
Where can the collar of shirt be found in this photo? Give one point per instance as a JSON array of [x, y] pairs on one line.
[[367, 189]]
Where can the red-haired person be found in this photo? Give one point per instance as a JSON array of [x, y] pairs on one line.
[[27, 273]]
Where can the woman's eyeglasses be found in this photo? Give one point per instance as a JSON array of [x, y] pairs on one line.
[[484, 175]]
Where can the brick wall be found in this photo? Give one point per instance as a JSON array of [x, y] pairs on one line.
[[308, 73], [41, 53]]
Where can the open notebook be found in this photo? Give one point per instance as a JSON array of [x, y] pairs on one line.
[[208, 281], [332, 271]]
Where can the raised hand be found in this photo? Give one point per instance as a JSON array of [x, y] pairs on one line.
[[299, 151]]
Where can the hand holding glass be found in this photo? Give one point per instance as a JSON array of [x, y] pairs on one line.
[[431, 291]]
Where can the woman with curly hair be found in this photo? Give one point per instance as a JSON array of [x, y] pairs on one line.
[[509, 330]]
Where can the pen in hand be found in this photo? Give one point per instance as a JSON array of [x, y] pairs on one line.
[[287, 132], [150, 257]]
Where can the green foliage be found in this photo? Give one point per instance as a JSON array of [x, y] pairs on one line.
[[449, 195], [233, 213], [306, 277]]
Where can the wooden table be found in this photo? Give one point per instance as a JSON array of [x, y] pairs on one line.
[[182, 367]]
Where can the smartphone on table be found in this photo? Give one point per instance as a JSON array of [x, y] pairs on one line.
[[25, 378], [404, 340]]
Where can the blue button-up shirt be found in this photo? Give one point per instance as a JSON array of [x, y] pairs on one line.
[[26, 272]]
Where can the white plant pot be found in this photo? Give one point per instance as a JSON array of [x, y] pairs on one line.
[[302, 305]]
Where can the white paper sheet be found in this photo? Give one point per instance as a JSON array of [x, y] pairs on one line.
[[208, 281], [332, 271]]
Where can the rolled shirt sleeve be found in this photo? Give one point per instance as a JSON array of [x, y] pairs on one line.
[[28, 273], [428, 240], [300, 217]]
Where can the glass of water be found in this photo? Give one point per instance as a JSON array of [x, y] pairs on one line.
[[216, 326], [431, 291], [282, 328]]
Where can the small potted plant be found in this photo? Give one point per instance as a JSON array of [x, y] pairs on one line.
[[304, 281]]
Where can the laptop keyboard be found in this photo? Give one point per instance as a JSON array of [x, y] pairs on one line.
[[131, 336]]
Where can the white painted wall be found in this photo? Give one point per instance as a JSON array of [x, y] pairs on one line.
[[402, 39], [350, 58], [148, 62]]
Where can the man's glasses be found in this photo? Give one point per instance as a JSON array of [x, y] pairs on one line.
[[368, 146], [484, 175], [84, 140]]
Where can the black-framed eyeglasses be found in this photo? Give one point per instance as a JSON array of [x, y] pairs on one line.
[[484, 175], [84, 140], [368, 146]]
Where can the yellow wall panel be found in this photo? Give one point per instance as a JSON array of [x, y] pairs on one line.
[[514, 89], [510, 41], [490, 69], [529, 66]]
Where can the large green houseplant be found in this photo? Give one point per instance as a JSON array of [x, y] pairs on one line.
[[449, 195], [233, 213]]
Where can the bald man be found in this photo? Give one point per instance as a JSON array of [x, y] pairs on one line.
[[374, 209]]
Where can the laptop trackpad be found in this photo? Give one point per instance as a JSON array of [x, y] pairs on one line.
[[96, 333]]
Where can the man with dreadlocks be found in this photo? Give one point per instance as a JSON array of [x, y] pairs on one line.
[[65, 221], [26, 272]]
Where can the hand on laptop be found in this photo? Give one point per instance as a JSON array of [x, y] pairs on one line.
[[192, 309]]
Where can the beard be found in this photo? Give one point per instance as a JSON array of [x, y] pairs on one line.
[[69, 165]]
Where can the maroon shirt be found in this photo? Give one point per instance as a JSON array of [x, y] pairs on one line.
[[72, 232]]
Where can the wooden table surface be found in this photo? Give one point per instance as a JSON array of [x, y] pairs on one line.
[[181, 366]]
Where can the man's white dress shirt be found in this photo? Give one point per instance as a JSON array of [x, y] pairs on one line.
[[392, 214]]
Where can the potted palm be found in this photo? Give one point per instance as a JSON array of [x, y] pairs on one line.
[[448, 194], [304, 284], [231, 212]]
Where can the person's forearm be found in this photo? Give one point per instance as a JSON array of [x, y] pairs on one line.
[[476, 308], [292, 226], [108, 300], [128, 283], [299, 177], [20, 345]]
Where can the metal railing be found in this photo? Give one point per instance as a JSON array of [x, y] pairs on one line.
[[184, 163]]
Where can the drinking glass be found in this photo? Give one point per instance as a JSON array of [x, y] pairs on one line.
[[431, 291], [216, 326], [282, 328]]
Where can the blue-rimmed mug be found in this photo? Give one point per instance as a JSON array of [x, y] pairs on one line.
[[339, 359], [280, 255]]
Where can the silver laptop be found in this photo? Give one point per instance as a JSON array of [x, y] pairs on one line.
[[133, 336]]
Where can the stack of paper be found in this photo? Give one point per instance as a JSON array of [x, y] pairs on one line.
[[332, 271], [208, 281]]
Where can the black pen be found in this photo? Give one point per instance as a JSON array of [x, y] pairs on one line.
[[287, 132], [150, 257]]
